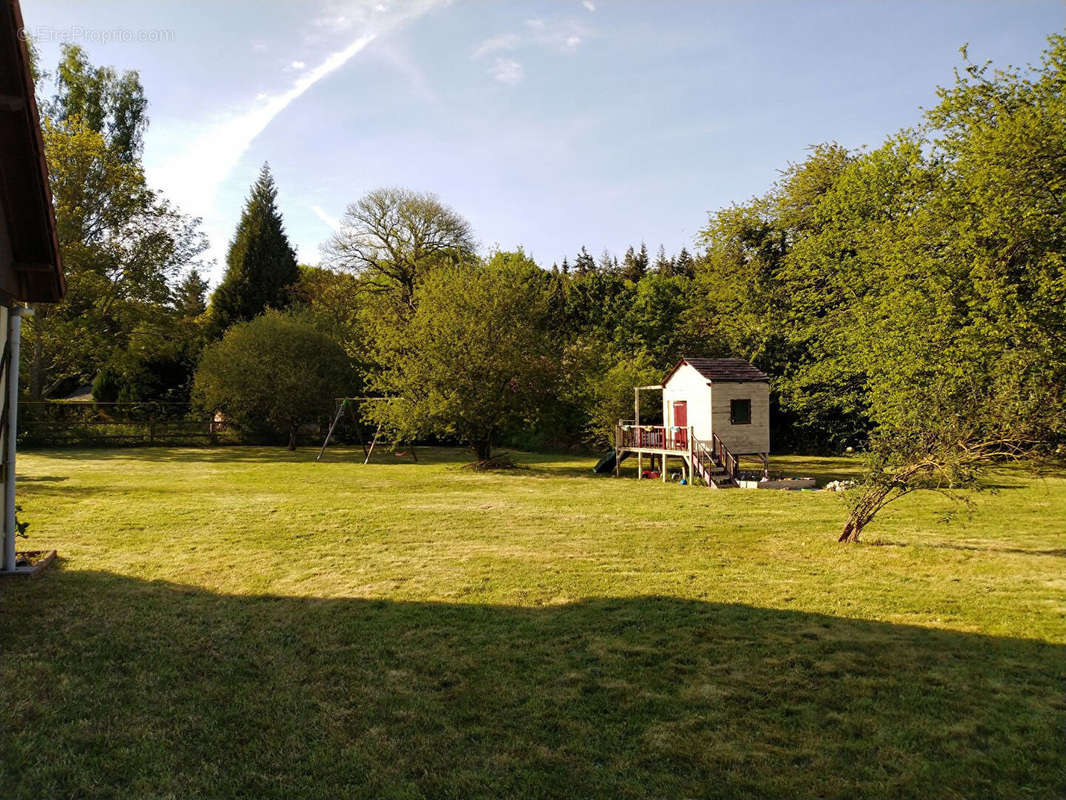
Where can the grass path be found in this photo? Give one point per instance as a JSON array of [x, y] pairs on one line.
[[242, 622]]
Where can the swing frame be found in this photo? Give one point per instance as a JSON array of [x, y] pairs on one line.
[[348, 403]]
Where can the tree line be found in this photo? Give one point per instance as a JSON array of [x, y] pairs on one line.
[[908, 299]]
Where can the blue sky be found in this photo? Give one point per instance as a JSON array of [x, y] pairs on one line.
[[549, 125]]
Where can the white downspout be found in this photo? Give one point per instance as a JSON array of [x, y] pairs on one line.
[[14, 334]]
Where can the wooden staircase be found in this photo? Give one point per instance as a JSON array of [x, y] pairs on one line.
[[714, 463]]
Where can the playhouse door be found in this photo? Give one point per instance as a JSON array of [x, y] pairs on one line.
[[681, 425]]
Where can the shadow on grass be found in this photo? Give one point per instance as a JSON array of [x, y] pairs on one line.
[[224, 454], [116, 687], [977, 548]]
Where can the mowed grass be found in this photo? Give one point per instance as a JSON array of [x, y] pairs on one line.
[[243, 622]]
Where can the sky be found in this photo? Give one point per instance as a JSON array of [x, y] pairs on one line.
[[547, 125]]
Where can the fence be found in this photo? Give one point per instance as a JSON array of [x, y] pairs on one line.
[[80, 424]]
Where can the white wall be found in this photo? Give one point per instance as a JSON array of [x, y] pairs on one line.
[[687, 384], [742, 439]]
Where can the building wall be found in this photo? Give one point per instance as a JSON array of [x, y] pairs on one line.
[[742, 439], [687, 384]]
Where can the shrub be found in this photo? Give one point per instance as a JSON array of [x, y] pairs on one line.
[[270, 375]]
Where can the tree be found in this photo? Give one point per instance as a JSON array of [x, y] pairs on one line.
[[685, 266], [610, 394], [272, 374], [653, 321], [122, 247], [473, 362], [663, 264], [632, 267], [260, 264], [584, 263], [109, 104], [394, 237], [190, 295]]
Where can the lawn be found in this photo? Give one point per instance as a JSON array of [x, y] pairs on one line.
[[243, 622]]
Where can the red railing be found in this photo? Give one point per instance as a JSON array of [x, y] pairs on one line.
[[652, 437]]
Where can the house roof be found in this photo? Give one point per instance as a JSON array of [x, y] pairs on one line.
[[722, 370], [29, 252]]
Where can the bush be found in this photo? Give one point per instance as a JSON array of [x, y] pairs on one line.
[[272, 374]]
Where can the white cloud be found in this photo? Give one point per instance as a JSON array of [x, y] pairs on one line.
[[535, 24], [505, 41], [332, 222], [589, 5], [573, 41], [193, 177], [297, 65], [507, 70]]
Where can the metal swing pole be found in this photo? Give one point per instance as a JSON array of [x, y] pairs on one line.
[[333, 425]]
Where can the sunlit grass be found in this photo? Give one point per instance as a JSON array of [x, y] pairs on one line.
[[245, 622]]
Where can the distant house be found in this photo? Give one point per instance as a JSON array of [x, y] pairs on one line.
[[715, 410], [29, 252]]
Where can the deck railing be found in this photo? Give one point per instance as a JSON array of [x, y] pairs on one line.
[[653, 437], [723, 455], [705, 454]]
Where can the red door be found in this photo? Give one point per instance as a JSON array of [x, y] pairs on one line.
[[681, 425]]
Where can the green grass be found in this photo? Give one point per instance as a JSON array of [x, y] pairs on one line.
[[242, 622]]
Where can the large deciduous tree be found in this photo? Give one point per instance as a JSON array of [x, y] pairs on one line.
[[122, 245], [111, 104], [473, 362], [261, 265], [392, 238]]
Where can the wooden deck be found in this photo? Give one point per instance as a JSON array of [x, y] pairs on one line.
[[711, 460]]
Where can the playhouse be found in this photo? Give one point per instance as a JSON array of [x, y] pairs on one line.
[[715, 410]]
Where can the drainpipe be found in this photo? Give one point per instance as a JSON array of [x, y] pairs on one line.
[[14, 335]]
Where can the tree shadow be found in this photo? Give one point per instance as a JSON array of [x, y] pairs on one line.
[[976, 548], [118, 687], [227, 454]]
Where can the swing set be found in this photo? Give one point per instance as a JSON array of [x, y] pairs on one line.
[[346, 406]]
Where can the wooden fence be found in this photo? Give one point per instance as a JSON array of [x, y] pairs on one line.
[[90, 424]]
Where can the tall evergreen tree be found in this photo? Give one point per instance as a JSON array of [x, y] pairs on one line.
[[684, 265], [260, 264], [584, 263], [663, 264], [190, 296], [642, 259], [608, 263], [632, 267]]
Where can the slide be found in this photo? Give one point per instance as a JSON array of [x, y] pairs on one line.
[[606, 464]]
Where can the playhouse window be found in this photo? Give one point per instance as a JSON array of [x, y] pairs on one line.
[[740, 412]]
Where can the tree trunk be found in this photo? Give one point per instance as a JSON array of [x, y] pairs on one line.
[[851, 532], [483, 449], [292, 437]]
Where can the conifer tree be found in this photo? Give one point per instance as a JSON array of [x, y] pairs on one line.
[[684, 265], [663, 265], [584, 263], [260, 265], [642, 259], [632, 267], [190, 296]]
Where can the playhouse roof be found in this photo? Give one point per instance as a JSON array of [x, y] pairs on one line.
[[722, 370]]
